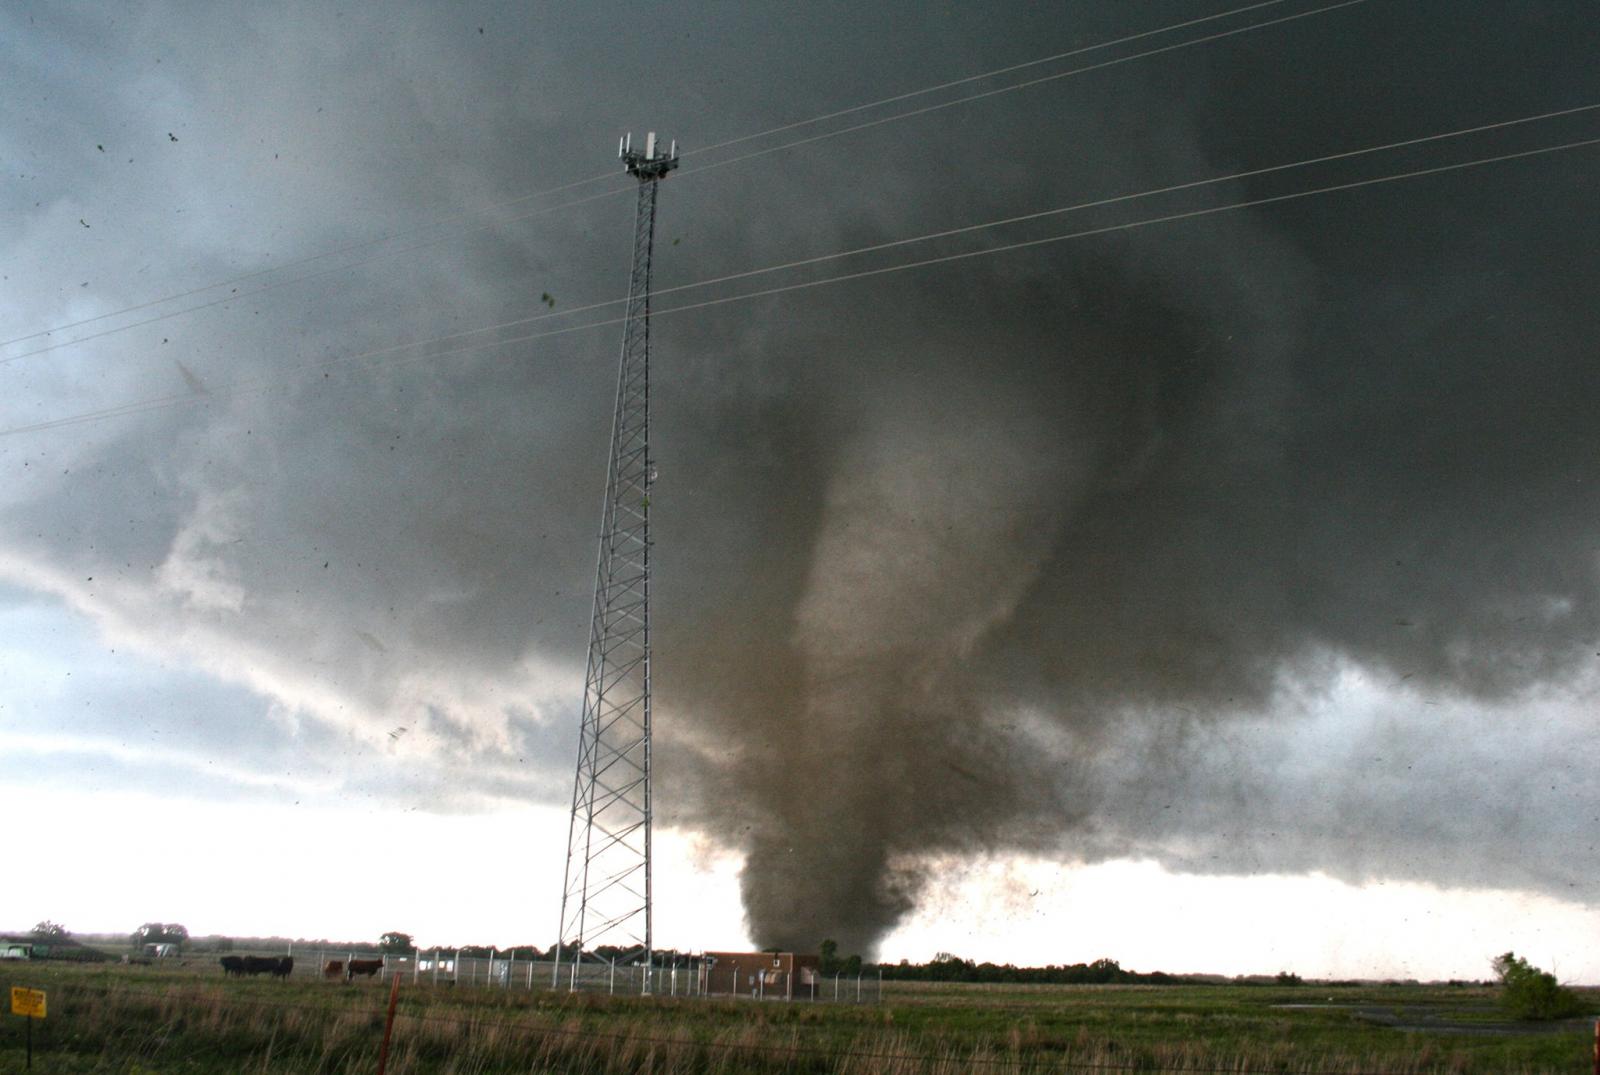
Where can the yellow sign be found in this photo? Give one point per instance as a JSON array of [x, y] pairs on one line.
[[25, 1001]]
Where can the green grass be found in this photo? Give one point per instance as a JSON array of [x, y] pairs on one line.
[[166, 1020]]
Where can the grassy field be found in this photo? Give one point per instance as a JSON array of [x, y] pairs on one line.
[[183, 1020]]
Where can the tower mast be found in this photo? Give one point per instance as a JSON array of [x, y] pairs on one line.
[[606, 896]]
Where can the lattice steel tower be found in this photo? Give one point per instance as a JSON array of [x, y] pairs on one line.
[[606, 898]]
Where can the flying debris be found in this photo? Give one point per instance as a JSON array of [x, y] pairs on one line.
[[196, 385]]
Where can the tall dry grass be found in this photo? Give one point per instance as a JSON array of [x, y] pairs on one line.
[[105, 1023]]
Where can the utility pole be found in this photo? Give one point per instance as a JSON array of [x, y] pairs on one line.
[[606, 897]]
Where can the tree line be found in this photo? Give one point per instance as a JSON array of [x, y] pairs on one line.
[[945, 967]]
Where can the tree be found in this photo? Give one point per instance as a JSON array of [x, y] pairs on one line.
[[50, 931], [395, 943], [159, 933], [830, 957], [1530, 993]]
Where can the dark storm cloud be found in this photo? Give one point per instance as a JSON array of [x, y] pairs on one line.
[[967, 559]]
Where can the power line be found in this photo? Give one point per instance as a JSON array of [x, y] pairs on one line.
[[1020, 86], [277, 284], [366, 244], [1043, 213], [239, 386], [977, 78], [1126, 226], [947, 233], [308, 259], [1022, 218], [611, 174]]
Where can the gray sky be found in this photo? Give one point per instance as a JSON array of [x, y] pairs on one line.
[[1256, 544]]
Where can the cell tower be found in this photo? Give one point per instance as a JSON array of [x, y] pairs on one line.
[[606, 898]]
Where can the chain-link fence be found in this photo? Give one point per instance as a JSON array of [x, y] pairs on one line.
[[682, 978]]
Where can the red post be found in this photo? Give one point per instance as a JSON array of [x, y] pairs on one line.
[[388, 1023], [1597, 1047]]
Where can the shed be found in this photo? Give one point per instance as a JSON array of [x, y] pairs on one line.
[[770, 974]]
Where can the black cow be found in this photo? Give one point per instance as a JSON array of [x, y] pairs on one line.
[[233, 966], [277, 966], [367, 967]]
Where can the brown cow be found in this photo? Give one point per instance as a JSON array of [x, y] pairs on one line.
[[333, 969]]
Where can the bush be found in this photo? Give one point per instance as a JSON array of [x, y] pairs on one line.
[[1530, 993]]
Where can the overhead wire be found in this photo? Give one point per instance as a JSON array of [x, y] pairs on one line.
[[924, 91], [239, 387], [926, 109], [285, 283], [610, 174], [366, 244], [1019, 219], [309, 258]]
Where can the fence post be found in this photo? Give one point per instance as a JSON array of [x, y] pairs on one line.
[[388, 1022], [436, 964], [612, 984]]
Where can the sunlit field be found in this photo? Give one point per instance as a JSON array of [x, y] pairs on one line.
[[189, 1019]]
